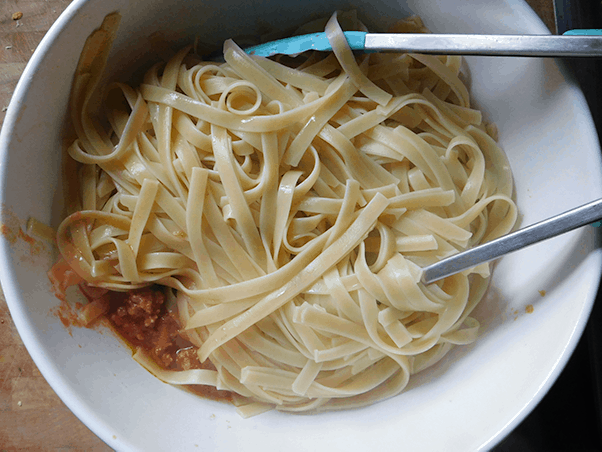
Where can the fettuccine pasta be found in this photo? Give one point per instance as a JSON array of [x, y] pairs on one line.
[[288, 208]]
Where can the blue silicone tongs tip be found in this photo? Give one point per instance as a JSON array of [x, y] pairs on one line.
[[299, 44], [583, 32]]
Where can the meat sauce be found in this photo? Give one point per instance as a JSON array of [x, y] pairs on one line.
[[143, 320]]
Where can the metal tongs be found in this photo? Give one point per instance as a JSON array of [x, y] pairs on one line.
[[573, 43], [546, 229]]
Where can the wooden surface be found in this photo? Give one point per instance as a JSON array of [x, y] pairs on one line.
[[32, 417]]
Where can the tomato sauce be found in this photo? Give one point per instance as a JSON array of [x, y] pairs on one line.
[[142, 319]]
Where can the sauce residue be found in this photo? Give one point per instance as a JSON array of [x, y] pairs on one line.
[[10, 228], [140, 317]]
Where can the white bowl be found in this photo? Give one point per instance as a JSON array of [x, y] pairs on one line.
[[469, 401]]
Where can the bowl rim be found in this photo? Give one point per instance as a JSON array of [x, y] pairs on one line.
[[17, 310]]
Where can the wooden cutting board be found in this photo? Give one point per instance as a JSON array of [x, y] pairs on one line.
[[32, 417]]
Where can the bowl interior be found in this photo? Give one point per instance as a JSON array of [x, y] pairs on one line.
[[471, 399]]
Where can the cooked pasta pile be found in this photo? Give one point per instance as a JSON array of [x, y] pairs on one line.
[[291, 207]]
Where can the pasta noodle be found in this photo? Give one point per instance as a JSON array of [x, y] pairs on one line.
[[289, 209]]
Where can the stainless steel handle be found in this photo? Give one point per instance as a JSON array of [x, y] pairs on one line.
[[498, 45], [522, 238]]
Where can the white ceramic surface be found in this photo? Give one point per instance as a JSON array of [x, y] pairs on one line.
[[468, 402]]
